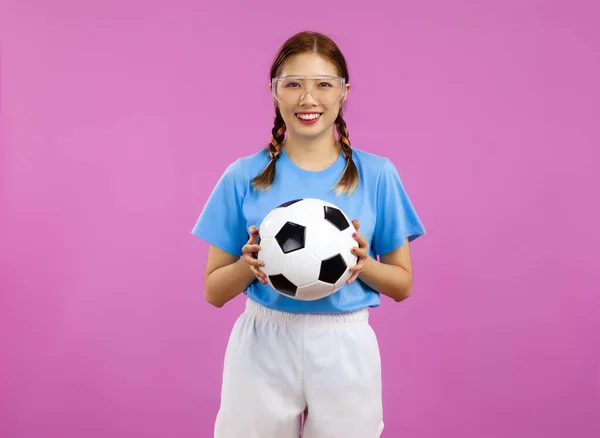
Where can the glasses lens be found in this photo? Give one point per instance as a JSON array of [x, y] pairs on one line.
[[325, 90]]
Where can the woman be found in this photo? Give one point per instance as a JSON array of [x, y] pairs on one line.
[[286, 357]]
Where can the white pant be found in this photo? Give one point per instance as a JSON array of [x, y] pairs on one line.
[[278, 364]]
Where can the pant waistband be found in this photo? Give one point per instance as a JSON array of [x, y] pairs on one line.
[[264, 313]]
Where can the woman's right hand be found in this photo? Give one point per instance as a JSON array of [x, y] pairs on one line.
[[249, 251]]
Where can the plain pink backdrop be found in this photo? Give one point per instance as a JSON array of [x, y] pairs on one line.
[[119, 116]]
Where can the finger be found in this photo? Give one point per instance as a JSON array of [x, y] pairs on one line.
[[362, 247], [358, 266], [362, 242], [352, 277], [251, 248], [253, 231], [260, 276], [356, 224], [255, 266], [252, 261], [355, 271], [359, 252]]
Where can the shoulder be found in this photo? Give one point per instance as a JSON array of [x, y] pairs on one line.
[[244, 168], [373, 165], [236, 177]]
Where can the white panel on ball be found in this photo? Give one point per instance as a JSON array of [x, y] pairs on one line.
[[347, 241], [301, 267], [303, 212], [325, 241], [314, 291], [273, 222], [271, 255]]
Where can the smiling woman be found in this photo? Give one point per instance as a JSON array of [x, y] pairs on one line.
[[310, 84], [279, 362]]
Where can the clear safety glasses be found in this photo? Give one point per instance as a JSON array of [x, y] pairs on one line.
[[324, 89]]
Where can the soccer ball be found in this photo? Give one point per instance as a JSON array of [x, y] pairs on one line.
[[306, 246]]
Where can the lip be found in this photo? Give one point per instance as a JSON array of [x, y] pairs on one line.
[[308, 122]]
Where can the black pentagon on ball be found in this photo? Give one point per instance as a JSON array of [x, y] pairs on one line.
[[283, 285], [291, 237], [288, 203], [336, 217], [332, 269]]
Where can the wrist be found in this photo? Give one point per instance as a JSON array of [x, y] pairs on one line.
[[247, 270]]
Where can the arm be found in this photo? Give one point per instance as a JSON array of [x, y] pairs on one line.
[[392, 275], [226, 276]]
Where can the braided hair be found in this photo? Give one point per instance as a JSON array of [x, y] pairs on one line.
[[349, 179], [311, 42], [265, 179]]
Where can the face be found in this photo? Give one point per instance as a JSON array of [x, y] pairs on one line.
[[296, 114]]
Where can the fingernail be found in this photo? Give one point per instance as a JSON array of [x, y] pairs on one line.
[[353, 234]]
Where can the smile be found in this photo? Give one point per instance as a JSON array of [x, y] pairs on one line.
[[308, 118]]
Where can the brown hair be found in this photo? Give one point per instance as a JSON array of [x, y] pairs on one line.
[[316, 43]]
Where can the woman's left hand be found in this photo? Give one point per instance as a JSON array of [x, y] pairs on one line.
[[360, 252]]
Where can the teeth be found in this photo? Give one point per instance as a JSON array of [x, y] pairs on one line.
[[308, 116]]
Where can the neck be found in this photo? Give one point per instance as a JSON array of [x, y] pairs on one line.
[[312, 153]]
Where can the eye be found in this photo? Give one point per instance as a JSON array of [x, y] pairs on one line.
[[324, 84], [292, 84]]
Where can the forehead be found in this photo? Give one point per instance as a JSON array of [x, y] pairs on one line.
[[308, 64]]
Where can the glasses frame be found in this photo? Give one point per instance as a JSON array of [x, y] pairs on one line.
[[323, 77]]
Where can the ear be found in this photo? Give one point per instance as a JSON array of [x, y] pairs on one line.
[[271, 92], [346, 93]]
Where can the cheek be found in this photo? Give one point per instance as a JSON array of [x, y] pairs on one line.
[[329, 117], [287, 114]]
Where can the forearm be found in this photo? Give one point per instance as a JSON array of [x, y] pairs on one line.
[[390, 280], [227, 282]]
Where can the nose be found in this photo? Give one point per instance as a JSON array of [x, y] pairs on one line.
[[304, 99]]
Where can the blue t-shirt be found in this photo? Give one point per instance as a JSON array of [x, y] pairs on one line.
[[380, 204]]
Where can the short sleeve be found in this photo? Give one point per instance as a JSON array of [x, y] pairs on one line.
[[397, 219], [221, 222]]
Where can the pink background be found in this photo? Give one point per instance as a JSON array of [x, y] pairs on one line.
[[110, 113]]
